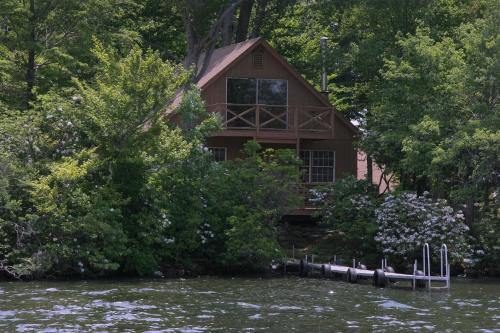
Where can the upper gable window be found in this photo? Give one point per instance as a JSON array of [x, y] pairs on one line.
[[244, 94], [242, 91], [272, 92], [257, 91]]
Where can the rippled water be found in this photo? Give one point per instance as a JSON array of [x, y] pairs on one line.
[[245, 305]]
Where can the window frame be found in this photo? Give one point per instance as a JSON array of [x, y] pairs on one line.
[[257, 96], [311, 166], [210, 149], [257, 87]]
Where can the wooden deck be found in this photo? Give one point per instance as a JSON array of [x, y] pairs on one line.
[[282, 123]]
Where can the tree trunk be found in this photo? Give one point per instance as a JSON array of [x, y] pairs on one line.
[[244, 20], [192, 45], [30, 64], [227, 28], [197, 44], [469, 211], [259, 17]]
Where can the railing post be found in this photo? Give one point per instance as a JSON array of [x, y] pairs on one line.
[[332, 122], [257, 118], [223, 111], [296, 119]]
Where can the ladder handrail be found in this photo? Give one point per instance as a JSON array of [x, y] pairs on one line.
[[427, 263], [444, 252]]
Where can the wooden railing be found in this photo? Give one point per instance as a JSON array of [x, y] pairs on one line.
[[275, 117]]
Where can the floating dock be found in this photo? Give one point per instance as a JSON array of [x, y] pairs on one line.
[[381, 276]]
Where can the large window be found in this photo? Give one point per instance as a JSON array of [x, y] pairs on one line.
[[318, 166], [244, 94]]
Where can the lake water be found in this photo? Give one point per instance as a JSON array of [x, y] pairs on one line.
[[245, 305]]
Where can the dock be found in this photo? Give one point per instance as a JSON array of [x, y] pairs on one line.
[[382, 276]]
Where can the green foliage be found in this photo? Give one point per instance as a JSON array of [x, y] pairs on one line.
[[252, 195], [126, 97], [204, 202], [114, 187], [251, 242], [78, 218], [435, 117], [348, 206], [81, 123], [486, 243]]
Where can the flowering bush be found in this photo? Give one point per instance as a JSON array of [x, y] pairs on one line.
[[407, 221]]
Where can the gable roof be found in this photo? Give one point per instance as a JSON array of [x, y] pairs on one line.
[[224, 58]]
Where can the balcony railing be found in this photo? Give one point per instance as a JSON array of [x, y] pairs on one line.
[[275, 117]]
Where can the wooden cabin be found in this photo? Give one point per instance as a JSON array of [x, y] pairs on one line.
[[260, 96]]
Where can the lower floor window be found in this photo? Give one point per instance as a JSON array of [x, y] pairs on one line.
[[219, 153], [318, 166]]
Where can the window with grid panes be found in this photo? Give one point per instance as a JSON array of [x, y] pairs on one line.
[[318, 166], [219, 153]]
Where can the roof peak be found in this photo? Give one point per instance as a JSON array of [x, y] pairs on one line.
[[242, 42]]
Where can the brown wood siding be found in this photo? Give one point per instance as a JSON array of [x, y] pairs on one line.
[[345, 155], [215, 92], [272, 69], [233, 145]]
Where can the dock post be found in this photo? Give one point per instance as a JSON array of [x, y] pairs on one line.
[[379, 279], [448, 277], [352, 275]]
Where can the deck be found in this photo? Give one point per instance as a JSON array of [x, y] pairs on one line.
[[281, 123]]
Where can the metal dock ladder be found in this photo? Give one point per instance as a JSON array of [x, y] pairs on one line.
[[426, 277]]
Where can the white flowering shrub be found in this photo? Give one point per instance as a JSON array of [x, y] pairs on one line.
[[407, 221]]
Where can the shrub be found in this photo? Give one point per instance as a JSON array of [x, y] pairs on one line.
[[348, 206], [77, 222], [407, 221], [485, 241], [251, 242]]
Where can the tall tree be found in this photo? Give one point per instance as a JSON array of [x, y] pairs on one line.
[[245, 12], [45, 43], [203, 22]]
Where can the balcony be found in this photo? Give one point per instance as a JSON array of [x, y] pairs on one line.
[[292, 121]]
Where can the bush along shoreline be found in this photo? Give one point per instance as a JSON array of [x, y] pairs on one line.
[[95, 185], [396, 225]]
